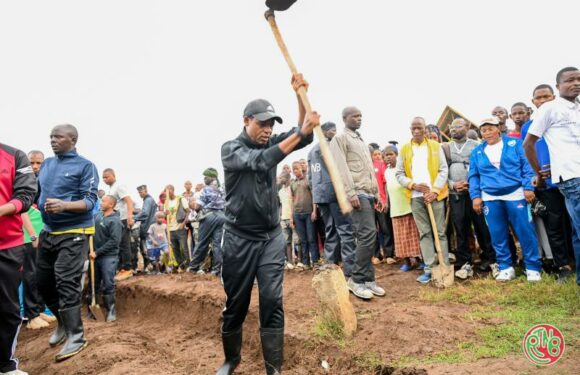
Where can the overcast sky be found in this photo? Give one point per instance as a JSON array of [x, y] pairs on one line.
[[156, 87]]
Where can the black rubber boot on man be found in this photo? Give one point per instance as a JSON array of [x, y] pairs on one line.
[[273, 349], [59, 333], [109, 302], [75, 336], [232, 342]]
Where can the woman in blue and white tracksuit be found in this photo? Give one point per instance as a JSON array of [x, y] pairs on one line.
[[500, 185]]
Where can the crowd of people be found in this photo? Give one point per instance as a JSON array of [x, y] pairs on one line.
[[490, 191]]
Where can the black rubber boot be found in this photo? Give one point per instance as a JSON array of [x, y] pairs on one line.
[[232, 342], [109, 302], [59, 333], [273, 349], [75, 336]]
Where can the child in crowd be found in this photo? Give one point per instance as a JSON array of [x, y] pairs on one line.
[[407, 246], [157, 243], [285, 196], [303, 218], [108, 231]]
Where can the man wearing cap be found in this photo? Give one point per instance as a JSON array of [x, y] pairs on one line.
[[500, 186], [146, 217], [422, 169], [253, 243], [338, 227], [558, 122], [210, 208]]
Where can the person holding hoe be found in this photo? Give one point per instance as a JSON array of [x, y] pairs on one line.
[[253, 243]]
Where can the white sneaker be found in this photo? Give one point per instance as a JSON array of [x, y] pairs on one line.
[[464, 272], [300, 265], [452, 258], [533, 276], [375, 289], [494, 270], [14, 372], [506, 275], [359, 290]]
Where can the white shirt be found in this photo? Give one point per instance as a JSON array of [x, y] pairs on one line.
[[420, 167], [493, 153], [558, 122], [119, 192]]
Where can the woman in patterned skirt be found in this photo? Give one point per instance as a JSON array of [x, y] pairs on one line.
[[405, 230]]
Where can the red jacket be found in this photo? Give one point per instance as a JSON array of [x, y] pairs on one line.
[[380, 167], [17, 186]]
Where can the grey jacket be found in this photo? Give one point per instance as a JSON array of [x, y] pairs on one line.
[[319, 179], [354, 164]]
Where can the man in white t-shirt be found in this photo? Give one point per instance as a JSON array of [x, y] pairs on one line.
[[558, 123], [125, 208]]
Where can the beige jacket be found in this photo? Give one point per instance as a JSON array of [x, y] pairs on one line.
[[354, 164]]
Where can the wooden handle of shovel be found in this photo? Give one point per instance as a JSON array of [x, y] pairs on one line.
[[344, 204], [435, 234], [92, 263]]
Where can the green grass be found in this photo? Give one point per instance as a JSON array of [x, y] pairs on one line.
[[506, 312], [326, 328]]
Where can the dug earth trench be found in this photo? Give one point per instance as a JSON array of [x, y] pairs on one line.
[[171, 325]]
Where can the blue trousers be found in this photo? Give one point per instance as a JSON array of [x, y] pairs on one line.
[[105, 268], [571, 191], [498, 215], [307, 233], [339, 242], [210, 230]]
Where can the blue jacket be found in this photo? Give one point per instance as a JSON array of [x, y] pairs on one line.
[[69, 177], [319, 179], [514, 171], [541, 150]]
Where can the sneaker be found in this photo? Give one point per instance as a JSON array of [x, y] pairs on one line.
[[47, 318], [424, 278], [564, 273], [14, 372], [359, 290], [506, 275], [494, 270], [533, 275], [452, 258], [200, 272], [289, 266], [299, 265], [406, 267], [375, 260], [37, 323], [391, 260], [421, 266], [124, 275], [464, 272], [375, 289]]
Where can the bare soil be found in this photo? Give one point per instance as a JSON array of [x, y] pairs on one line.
[[170, 325]]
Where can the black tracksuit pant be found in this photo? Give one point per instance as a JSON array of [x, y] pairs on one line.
[[33, 304], [11, 261], [243, 261], [462, 215], [556, 223], [125, 254], [59, 270]]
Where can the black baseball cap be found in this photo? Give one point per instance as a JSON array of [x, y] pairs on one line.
[[261, 110]]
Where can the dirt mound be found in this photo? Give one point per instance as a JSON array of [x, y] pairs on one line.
[[171, 325]]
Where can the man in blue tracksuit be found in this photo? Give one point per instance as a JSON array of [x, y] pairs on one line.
[[68, 184], [500, 186], [339, 242]]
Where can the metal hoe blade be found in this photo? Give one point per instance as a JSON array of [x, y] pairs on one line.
[[279, 5]]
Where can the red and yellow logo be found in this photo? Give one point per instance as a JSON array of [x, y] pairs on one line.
[[543, 345]]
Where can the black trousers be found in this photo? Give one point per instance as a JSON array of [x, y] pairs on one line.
[[243, 261], [462, 216], [33, 304], [363, 221], [125, 256], [179, 246], [11, 261], [386, 228], [60, 262], [556, 222]]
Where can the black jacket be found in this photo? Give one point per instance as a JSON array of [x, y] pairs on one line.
[[252, 210], [147, 215], [108, 231]]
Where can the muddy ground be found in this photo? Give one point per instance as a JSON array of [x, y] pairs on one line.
[[170, 325]]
